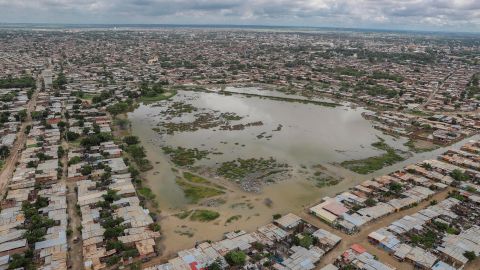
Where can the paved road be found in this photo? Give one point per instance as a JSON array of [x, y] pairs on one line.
[[10, 164]]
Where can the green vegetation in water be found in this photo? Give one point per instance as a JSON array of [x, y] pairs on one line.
[[183, 214], [184, 156], [204, 215], [206, 119], [195, 178], [242, 205], [232, 219], [230, 116], [178, 108], [195, 193], [240, 169], [185, 233], [371, 164], [200, 180], [323, 180]]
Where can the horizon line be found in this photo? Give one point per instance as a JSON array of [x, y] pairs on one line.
[[215, 25]]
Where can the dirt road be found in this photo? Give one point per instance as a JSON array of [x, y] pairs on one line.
[[18, 145], [75, 250]]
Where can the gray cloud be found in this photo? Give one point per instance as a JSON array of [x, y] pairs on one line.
[[457, 15]]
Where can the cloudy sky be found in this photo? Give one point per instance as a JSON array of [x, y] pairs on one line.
[[449, 15]]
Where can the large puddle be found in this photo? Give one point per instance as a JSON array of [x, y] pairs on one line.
[[309, 135]]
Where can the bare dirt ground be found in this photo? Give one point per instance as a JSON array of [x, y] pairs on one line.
[[75, 250], [18, 145]]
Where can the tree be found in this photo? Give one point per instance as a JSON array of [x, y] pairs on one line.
[[459, 175], [130, 140], [22, 115], [216, 265], [111, 196], [60, 152], [19, 261], [305, 240], [74, 160], [86, 170], [113, 260], [71, 136], [137, 152], [395, 187], [154, 227], [61, 125], [118, 108], [370, 202], [4, 151], [60, 81], [427, 166], [236, 258], [470, 255]]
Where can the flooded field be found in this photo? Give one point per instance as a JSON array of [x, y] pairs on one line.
[[303, 136]]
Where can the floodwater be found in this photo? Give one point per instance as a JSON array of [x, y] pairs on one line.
[[310, 135]]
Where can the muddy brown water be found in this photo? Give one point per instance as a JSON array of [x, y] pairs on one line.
[[311, 134]]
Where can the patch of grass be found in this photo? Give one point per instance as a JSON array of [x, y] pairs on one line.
[[196, 193], [411, 146], [371, 164], [158, 97], [146, 193], [204, 215], [183, 214], [195, 178], [200, 180]]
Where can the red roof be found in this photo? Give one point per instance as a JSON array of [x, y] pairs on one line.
[[335, 208], [358, 248]]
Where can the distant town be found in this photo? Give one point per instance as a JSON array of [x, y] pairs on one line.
[[172, 148]]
